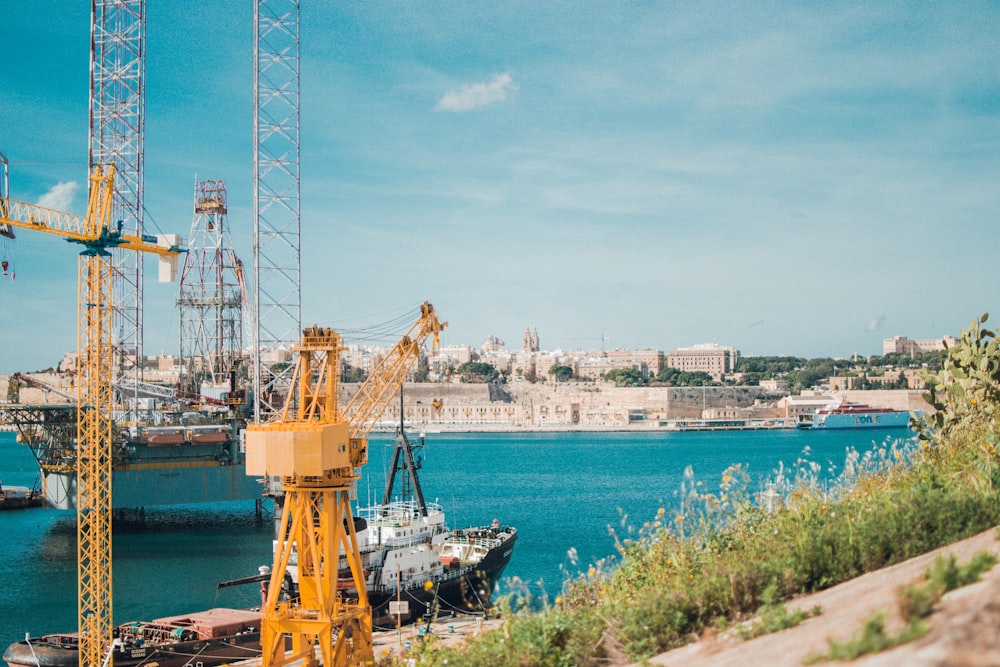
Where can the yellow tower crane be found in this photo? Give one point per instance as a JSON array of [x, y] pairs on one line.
[[317, 447], [95, 394]]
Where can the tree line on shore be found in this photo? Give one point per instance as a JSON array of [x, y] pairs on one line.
[[875, 372]]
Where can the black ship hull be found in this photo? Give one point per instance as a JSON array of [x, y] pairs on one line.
[[467, 589]]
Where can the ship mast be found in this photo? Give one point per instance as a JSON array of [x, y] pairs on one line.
[[403, 463]]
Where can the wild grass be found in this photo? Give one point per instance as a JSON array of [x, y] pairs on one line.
[[774, 616], [872, 638], [720, 555]]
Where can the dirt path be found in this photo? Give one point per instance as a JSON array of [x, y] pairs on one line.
[[964, 630]]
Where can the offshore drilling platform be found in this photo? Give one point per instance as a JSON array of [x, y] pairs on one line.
[[182, 444], [89, 448], [122, 442]]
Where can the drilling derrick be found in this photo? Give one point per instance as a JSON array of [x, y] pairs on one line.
[[317, 447], [209, 297]]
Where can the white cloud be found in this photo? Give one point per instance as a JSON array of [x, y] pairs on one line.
[[477, 95], [60, 196], [876, 324]]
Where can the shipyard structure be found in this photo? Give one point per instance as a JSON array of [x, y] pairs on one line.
[[173, 441]]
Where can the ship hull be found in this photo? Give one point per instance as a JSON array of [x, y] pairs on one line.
[[467, 589], [165, 484], [18, 497], [206, 638]]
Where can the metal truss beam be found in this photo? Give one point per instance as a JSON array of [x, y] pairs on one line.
[[277, 223], [117, 111]]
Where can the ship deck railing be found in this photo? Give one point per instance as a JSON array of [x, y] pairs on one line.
[[396, 542], [397, 513], [448, 575], [490, 542]]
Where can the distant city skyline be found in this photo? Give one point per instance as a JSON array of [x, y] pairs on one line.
[[786, 179], [493, 347]]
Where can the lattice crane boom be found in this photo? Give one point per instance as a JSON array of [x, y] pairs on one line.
[[317, 448], [19, 379], [371, 399], [95, 396], [93, 230]]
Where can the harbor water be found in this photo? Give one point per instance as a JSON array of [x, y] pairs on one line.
[[563, 491]]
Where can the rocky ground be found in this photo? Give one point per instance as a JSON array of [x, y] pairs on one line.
[[964, 629]]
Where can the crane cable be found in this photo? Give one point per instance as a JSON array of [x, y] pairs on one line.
[[383, 332]]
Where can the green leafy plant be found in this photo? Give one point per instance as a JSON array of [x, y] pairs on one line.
[[945, 574], [872, 638], [966, 391]]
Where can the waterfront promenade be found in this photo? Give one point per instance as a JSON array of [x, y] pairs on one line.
[[578, 406]]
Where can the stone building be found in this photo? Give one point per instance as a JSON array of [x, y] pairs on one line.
[[450, 356], [596, 365], [530, 341], [707, 358], [903, 345]]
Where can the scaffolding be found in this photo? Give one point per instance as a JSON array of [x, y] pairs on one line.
[[209, 297]]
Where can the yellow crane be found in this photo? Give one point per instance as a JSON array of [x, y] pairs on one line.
[[95, 395], [317, 447]]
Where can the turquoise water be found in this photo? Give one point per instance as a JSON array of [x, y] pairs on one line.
[[561, 491]]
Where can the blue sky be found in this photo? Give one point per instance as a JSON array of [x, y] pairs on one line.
[[784, 178]]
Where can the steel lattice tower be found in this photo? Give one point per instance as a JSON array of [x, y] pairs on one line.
[[209, 296], [277, 223], [117, 112], [117, 100]]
